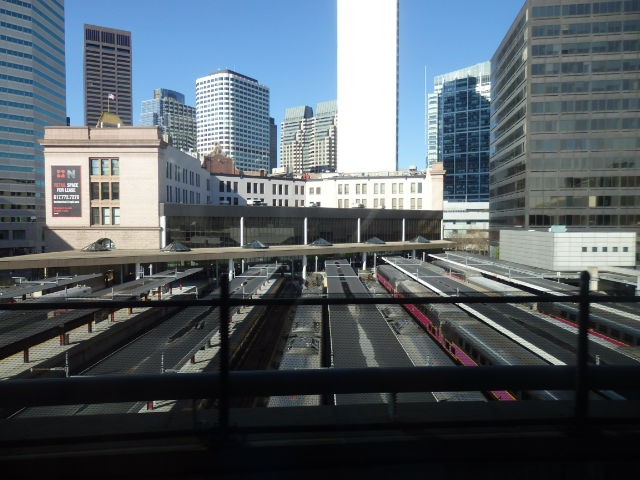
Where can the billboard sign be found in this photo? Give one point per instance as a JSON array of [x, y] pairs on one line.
[[65, 191]]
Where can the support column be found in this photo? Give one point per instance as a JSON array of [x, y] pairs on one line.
[[638, 286], [305, 230], [364, 261], [231, 269], [413, 254], [593, 280], [242, 266], [358, 230], [403, 231], [137, 271], [304, 268], [163, 231], [242, 231], [375, 258]]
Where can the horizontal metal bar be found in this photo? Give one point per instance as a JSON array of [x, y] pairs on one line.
[[236, 301], [106, 389]]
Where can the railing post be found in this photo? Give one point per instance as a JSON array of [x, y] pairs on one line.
[[223, 418], [582, 382]]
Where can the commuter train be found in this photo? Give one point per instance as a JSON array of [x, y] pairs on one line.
[[617, 329], [466, 339]]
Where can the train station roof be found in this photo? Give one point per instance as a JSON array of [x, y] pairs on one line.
[[78, 258]]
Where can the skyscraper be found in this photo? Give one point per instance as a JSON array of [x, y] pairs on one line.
[[107, 74], [565, 131], [32, 95], [368, 85], [308, 142], [458, 131], [176, 119], [232, 110]]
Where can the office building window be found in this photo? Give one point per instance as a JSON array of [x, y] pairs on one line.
[[116, 215], [95, 216], [104, 191], [95, 191], [106, 216]]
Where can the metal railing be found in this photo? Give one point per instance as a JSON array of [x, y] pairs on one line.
[[224, 384]]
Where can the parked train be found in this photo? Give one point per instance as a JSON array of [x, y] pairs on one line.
[[616, 328], [465, 338]]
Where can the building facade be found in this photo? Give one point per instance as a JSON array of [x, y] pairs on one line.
[[458, 131], [232, 110], [397, 190], [109, 183], [176, 119], [564, 115], [568, 251], [368, 85], [32, 95], [308, 142], [107, 74]]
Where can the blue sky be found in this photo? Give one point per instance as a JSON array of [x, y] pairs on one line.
[[288, 45]]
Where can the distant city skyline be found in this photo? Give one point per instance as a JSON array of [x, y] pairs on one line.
[[432, 34]]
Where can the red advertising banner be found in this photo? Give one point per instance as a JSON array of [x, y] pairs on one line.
[[65, 191]]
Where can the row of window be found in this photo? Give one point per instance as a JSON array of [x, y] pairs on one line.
[[105, 166], [555, 30], [576, 106], [586, 201], [178, 195], [573, 9], [181, 174], [105, 215], [609, 85], [105, 190], [584, 125], [604, 249], [576, 220], [597, 66], [585, 48], [558, 182], [589, 144]]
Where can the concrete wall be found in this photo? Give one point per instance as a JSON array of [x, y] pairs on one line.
[[568, 251]]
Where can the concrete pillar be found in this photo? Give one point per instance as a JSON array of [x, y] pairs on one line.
[[231, 269], [316, 269], [241, 231], [403, 230], [305, 229], [304, 267], [364, 261], [638, 286], [242, 265], [593, 281], [358, 230], [413, 254], [375, 258], [138, 271], [163, 231]]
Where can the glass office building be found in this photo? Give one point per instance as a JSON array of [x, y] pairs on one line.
[[565, 123], [32, 96], [458, 131], [232, 110], [176, 119]]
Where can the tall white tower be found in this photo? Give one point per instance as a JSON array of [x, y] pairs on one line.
[[232, 110], [368, 85]]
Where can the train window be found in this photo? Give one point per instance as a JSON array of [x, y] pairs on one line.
[[592, 325], [563, 313], [615, 333], [573, 317], [474, 353], [453, 350], [602, 328], [628, 338]]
